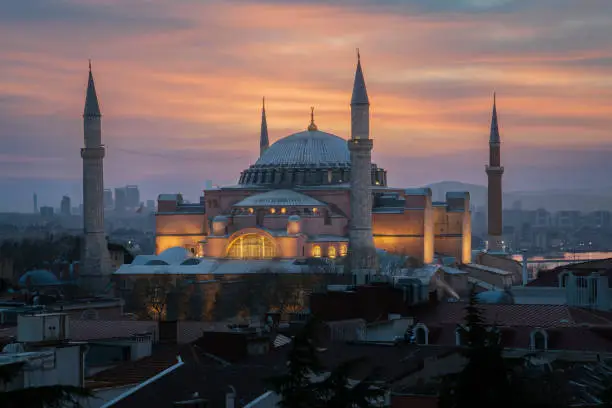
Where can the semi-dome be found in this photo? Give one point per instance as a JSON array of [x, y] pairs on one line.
[[174, 255], [310, 148], [39, 277]]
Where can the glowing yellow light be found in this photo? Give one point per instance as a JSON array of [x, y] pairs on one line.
[[314, 210], [272, 210], [331, 252], [316, 251], [283, 210], [250, 211], [343, 250], [378, 183]]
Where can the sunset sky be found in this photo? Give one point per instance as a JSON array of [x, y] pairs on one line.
[[180, 86]]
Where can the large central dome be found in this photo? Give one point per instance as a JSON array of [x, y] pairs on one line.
[[308, 158], [310, 148]]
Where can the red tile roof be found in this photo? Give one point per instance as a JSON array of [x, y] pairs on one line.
[[550, 278], [510, 315], [568, 328], [135, 372]]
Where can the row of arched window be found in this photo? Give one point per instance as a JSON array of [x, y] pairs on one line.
[[420, 335], [332, 251]]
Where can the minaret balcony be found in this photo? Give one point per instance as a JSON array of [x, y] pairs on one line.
[[494, 169], [93, 152]]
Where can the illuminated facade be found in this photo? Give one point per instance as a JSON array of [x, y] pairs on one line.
[[296, 201]]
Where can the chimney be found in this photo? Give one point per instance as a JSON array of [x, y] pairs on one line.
[[230, 398]]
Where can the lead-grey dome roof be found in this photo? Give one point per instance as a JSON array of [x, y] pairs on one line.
[[310, 148]]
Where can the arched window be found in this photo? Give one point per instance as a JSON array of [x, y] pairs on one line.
[[421, 334], [331, 252], [539, 340], [316, 251], [343, 250], [252, 246]]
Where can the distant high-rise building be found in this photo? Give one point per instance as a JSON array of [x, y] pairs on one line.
[[35, 204], [108, 199], [47, 211], [65, 206], [120, 199], [132, 196], [151, 205]]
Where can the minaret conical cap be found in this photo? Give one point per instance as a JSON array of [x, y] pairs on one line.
[[360, 94], [263, 138], [92, 107], [494, 137]]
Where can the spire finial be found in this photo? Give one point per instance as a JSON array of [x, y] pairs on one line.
[[92, 107], [264, 142], [494, 136], [360, 94], [312, 127]]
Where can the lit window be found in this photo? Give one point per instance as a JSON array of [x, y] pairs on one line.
[[272, 210], [283, 210], [251, 211], [343, 250], [331, 252], [316, 251], [314, 210]]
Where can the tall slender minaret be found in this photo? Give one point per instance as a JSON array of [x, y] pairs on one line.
[[362, 254], [263, 137], [494, 174], [95, 260]]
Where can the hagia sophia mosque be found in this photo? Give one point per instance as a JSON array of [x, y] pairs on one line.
[[311, 194]]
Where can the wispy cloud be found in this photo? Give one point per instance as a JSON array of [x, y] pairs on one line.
[[180, 83]]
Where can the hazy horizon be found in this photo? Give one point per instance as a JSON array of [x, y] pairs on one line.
[[180, 87]]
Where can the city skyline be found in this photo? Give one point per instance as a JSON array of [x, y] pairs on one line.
[[180, 89]]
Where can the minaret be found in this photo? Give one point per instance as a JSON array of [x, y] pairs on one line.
[[362, 254], [494, 173], [263, 138], [95, 260]]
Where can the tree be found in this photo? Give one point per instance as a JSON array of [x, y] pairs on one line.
[[53, 396], [483, 382], [337, 391], [296, 387], [304, 386]]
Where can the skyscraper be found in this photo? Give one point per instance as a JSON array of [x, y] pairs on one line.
[[108, 199], [120, 199], [65, 208], [95, 270], [132, 196], [35, 203]]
